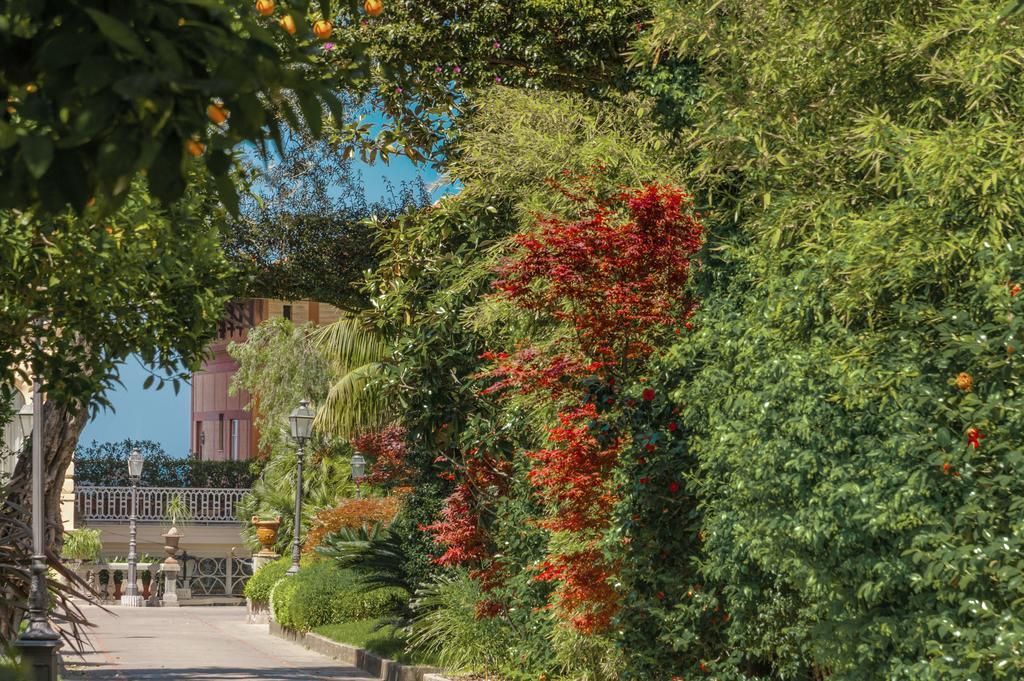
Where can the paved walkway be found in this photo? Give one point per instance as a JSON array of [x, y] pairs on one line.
[[191, 643]]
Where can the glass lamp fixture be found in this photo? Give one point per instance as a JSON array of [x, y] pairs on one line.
[[301, 421], [25, 419], [135, 461]]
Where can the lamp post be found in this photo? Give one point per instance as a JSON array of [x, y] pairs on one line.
[[38, 644], [301, 422], [358, 465], [131, 597]]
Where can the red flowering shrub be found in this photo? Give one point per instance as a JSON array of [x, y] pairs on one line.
[[613, 274], [616, 278], [387, 451], [351, 513], [459, 530]]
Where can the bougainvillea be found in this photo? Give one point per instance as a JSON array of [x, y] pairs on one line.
[[609, 282]]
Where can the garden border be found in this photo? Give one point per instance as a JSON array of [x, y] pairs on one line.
[[368, 661]]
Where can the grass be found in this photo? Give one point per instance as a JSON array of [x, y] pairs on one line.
[[387, 642]]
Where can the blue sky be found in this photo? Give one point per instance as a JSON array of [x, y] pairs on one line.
[[162, 416]]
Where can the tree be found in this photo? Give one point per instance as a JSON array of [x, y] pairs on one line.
[[278, 365], [99, 262], [425, 63], [357, 400], [98, 92], [81, 296], [306, 230]]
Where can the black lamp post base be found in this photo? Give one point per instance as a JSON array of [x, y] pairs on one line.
[[39, 658]]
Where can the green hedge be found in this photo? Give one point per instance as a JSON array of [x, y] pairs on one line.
[[107, 464], [259, 586], [322, 594]]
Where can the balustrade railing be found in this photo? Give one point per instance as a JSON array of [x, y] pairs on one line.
[[206, 504]]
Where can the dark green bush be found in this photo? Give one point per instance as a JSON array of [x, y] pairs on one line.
[[259, 586], [832, 516], [322, 594], [107, 464]]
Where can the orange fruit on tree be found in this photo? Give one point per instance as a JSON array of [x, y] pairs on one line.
[[373, 7], [322, 29], [217, 113], [288, 24], [195, 147], [265, 7]]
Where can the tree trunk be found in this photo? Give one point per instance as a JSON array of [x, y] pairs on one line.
[[61, 428]]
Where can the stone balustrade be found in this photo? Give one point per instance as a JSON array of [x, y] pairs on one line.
[[208, 505], [90, 573]]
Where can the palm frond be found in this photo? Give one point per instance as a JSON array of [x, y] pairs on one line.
[[349, 343], [354, 403], [358, 354], [375, 554]]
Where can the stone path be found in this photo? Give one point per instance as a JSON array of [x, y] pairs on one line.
[[191, 643]]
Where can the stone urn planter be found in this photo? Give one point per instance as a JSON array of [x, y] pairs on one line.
[[266, 533], [171, 540]]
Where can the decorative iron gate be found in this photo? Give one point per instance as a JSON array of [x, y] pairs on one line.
[[205, 576]]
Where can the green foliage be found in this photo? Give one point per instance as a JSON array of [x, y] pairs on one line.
[[864, 228], [150, 281], [431, 295], [376, 554], [432, 60], [259, 586], [307, 230], [279, 365], [354, 402], [11, 672], [106, 464], [326, 478], [447, 627], [375, 635], [177, 511], [98, 92], [322, 594], [82, 544]]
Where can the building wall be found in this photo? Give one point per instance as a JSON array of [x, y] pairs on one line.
[[215, 413]]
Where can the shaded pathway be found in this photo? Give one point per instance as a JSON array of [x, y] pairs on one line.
[[191, 643]]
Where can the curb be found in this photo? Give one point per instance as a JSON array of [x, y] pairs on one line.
[[381, 668]]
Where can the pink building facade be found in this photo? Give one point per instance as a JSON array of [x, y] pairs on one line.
[[222, 428]]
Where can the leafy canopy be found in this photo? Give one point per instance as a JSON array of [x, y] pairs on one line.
[[97, 92]]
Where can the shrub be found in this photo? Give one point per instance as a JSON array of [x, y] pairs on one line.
[[351, 514], [259, 586], [106, 464], [837, 512], [447, 626], [82, 544], [321, 594]]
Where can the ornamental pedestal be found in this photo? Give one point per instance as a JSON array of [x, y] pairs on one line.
[[170, 576]]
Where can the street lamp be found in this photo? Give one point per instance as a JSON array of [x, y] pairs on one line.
[[131, 597], [358, 465], [38, 644], [25, 419], [301, 421]]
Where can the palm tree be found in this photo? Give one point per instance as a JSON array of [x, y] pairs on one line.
[[360, 356]]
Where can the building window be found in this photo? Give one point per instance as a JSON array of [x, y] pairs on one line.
[[200, 438], [220, 433], [234, 439], [287, 312]]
